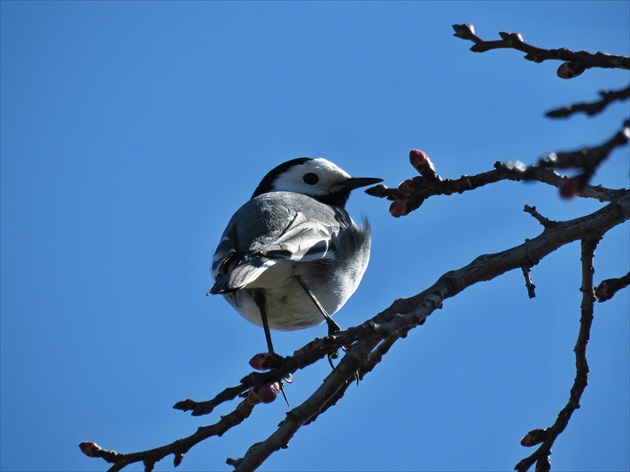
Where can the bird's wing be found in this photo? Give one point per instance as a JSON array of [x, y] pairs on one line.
[[302, 240]]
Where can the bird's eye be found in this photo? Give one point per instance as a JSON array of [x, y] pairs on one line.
[[310, 178]]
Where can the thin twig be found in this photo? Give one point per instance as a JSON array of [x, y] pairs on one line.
[[545, 222], [592, 108], [178, 448], [580, 60], [549, 435], [418, 189]]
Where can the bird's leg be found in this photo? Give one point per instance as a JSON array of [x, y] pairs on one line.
[[259, 299], [333, 327]]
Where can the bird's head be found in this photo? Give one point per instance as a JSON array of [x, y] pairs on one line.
[[317, 178]]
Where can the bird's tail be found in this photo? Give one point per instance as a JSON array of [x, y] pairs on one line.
[[241, 275]]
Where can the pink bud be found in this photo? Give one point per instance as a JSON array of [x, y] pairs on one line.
[[418, 159], [89, 448], [421, 162], [406, 187], [269, 392], [398, 208], [253, 397], [569, 188], [257, 362], [568, 70], [266, 360]]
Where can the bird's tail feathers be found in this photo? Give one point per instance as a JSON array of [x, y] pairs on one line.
[[241, 275]]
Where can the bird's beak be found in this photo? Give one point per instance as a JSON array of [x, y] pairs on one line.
[[358, 182]]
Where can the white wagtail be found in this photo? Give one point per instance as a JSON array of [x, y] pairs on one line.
[[291, 256]]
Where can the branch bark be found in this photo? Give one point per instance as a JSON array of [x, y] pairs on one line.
[[548, 436], [575, 62]]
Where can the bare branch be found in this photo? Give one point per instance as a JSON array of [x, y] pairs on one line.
[[178, 448], [406, 314], [588, 158], [371, 340], [575, 62], [592, 108], [258, 453], [412, 193], [545, 222], [548, 436]]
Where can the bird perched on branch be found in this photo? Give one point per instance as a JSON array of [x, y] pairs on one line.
[[291, 256]]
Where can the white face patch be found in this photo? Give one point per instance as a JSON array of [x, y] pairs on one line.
[[316, 178]]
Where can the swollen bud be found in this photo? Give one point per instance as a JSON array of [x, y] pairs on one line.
[[420, 161], [253, 397], [543, 464], [535, 436], [269, 392], [607, 289], [89, 448], [570, 188], [568, 70], [406, 187], [266, 360], [464, 31], [398, 208]]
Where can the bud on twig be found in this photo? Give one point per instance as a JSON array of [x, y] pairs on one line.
[[421, 162], [406, 187], [266, 361], [535, 436], [253, 397], [398, 208], [570, 188], [569, 70], [90, 448], [269, 392], [543, 464]]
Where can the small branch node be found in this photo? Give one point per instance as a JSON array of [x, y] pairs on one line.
[[545, 222]]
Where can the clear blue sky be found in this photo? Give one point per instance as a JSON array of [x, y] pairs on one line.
[[131, 131]]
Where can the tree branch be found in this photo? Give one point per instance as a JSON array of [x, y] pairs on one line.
[[592, 108], [576, 62], [548, 436], [412, 193], [371, 340], [406, 314], [178, 448]]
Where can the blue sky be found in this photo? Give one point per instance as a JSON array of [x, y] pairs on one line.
[[131, 131]]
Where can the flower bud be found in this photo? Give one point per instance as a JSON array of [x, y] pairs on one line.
[[607, 289], [535, 436], [406, 187], [421, 162], [463, 31], [266, 361], [269, 392], [398, 208], [569, 188], [568, 70], [253, 397], [89, 448]]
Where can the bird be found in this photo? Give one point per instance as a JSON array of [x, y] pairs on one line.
[[292, 256]]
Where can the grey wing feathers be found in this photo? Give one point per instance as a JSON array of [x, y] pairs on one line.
[[243, 254]]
